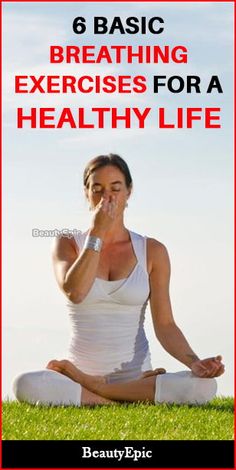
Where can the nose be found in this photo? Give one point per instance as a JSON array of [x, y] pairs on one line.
[[106, 192]]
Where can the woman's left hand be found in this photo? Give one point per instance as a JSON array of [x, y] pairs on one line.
[[208, 368]]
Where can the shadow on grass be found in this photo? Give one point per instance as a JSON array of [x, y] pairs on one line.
[[221, 405], [225, 407]]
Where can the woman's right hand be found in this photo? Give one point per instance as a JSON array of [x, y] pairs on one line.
[[104, 214]]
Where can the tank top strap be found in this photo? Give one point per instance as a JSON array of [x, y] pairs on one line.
[[139, 243]]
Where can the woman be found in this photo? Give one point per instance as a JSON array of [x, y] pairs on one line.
[[108, 275]]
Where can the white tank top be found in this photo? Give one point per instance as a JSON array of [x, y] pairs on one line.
[[108, 336]]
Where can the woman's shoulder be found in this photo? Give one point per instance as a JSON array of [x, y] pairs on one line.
[[154, 245], [157, 251]]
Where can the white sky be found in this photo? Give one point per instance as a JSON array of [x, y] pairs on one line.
[[183, 179]]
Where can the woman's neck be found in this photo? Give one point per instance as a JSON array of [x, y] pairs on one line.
[[118, 232]]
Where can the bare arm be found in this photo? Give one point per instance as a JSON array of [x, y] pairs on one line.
[[167, 332], [75, 271]]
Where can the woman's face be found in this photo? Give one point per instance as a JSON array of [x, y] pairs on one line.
[[106, 182]]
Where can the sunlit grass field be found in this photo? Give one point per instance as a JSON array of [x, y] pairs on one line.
[[213, 421]]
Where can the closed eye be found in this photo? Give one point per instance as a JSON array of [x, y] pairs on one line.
[[96, 190]]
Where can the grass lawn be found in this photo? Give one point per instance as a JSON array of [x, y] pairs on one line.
[[122, 422]]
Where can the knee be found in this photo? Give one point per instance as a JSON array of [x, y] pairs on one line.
[[205, 390], [22, 387], [19, 386], [184, 388]]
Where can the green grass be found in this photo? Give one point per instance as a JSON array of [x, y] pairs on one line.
[[122, 422]]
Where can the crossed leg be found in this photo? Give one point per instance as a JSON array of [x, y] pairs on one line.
[[62, 383], [95, 390]]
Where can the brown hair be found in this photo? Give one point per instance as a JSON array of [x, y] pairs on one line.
[[105, 160]]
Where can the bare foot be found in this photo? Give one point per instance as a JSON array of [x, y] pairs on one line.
[[67, 368], [150, 373]]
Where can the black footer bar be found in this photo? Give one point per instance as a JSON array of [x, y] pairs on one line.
[[118, 454]]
